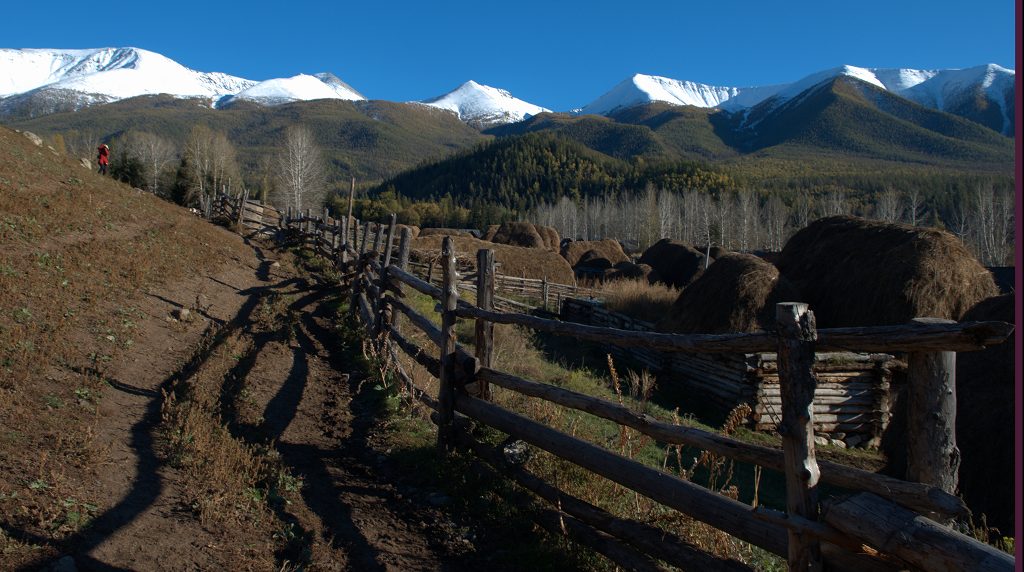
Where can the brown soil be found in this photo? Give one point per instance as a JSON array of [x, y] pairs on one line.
[[298, 403]]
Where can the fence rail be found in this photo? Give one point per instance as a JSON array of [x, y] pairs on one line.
[[906, 510]]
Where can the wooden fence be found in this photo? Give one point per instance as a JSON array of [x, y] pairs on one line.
[[884, 524]]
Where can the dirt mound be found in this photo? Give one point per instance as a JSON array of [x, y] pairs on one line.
[[513, 260], [608, 249], [677, 264], [984, 420], [737, 293], [856, 272], [526, 234]]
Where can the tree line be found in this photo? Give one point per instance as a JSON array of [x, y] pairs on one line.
[[748, 220]]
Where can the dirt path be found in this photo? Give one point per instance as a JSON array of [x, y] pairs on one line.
[[286, 385]]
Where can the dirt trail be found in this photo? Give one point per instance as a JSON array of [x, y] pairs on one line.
[[291, 390]]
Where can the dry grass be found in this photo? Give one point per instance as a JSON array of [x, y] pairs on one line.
[[638, 299], [517, 351]]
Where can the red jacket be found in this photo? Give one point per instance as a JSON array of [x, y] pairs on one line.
[[104, 154]]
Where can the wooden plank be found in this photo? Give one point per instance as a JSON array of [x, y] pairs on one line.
[[921, 542], [914, 495], [717, 510], [650, 539]]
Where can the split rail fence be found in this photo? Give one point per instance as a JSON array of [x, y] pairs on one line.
[[883, 524]]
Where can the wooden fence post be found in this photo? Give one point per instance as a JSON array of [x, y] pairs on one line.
[[403, 262], [797, 381], [446, 383], [544, 291], [932, 455], [484, 301], [377, 237], [366, 238], [382, 309], [344, 240]]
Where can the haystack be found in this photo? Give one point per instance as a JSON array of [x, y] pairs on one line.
[[716, 252], [429, 231], [492, 230], [526, 234], [984, 420], [608, 249], [512, 260], [737, 293], [629, 271], [856, 272], [676, 264]]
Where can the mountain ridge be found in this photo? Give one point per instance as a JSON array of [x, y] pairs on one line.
[[39, 81]]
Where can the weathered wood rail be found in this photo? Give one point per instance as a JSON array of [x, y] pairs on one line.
[[889, 524]]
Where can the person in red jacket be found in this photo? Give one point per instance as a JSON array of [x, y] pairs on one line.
[[103, 158]]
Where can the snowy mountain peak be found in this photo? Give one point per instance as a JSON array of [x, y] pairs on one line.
[[301, 87], [484, 105]]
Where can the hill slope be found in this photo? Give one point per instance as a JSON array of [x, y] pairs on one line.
[[369, 140]]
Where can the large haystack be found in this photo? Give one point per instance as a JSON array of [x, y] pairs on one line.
[[608, 249], [675, 263], [984, 420], [526, 234], [492, 230], [856, 272], [737, 293], [512, 260]]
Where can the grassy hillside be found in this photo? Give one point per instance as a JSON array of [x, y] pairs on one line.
[[851, 119], [369, 140]]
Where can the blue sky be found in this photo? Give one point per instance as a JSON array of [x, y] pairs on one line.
[[556, 54]]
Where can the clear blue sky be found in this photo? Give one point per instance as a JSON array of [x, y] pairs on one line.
[[556, 54]]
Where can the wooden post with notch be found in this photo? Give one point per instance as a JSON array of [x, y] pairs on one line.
[[797, 382], [446, 385], [484, 301], [932, 455]]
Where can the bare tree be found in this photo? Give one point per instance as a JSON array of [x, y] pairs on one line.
[[835, 203], [300, 169], [887, 206], [915, 206], [211, 162], [154, 153]]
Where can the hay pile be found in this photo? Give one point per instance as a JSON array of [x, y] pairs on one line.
[[492, 230], [984, 420], [526, 234], [856, 272], [629, 271], [675, 263], [445, 232], [512, 260], [716, 251], [608, 249], [737, 293]]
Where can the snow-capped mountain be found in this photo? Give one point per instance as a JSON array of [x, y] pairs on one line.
[[642, 89], [297, 88], [945, 90], [109, 73], [39, 81], [483, 105]]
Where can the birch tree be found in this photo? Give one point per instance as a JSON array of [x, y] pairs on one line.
[[300, 169]]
